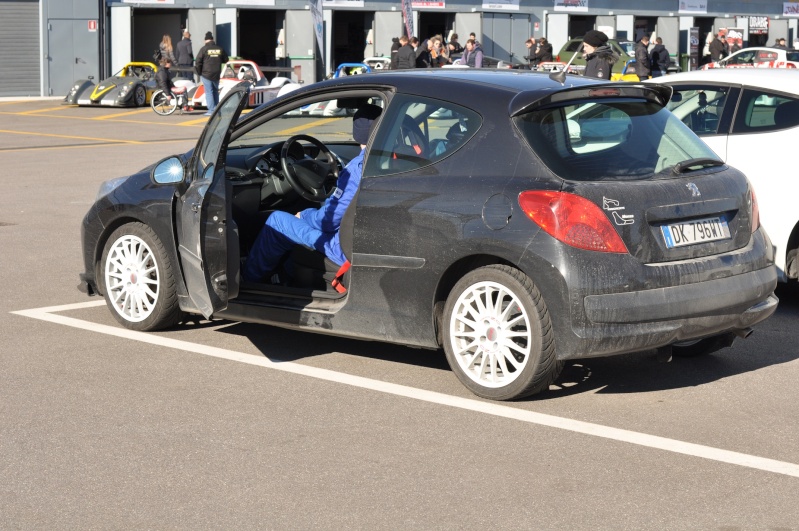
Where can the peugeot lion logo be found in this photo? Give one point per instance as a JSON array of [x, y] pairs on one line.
[[694, 189]]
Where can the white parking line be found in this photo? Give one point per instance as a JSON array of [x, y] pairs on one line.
[[50, 314]]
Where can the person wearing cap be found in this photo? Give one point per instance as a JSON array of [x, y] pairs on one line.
[[643, 65], [599, 57], [208, 65], [315, 228]]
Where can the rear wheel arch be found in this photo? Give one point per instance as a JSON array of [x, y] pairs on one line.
[[451, 276], [792, 254], [497, 334]]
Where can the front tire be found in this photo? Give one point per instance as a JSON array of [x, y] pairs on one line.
[[140, 96], [498, 335], [139, 279]]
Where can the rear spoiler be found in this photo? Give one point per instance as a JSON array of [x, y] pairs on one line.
[[525, 102]]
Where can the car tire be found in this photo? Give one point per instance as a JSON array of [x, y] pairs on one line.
[[499, 351], [139, 282], [140, 96]]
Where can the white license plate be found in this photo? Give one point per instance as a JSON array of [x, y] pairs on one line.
[[697, 231]]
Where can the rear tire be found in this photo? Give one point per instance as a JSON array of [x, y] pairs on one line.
[[139, 281], [498, 335], [163, 104]]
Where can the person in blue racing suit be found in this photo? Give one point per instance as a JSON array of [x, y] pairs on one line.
[[315, 228]]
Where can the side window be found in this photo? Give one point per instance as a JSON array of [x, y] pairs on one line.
[[761, 111], [417, 132], [573, 45], [743, 58], [700, 108]]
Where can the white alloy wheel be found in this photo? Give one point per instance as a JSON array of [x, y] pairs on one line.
[[138, 279], [490, 334], [497, 334], [132, 278]]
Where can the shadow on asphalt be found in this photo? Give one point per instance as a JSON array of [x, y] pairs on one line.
[[643, 372], [631, 373]]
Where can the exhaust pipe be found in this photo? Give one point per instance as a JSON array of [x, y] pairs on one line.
[[743, 333]]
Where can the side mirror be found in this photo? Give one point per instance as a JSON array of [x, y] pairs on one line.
[[676, 97], [168, 171]]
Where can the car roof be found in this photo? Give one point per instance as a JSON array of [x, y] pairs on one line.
[[452, 81], [781, 79]]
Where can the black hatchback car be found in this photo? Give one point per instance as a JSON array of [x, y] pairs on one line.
[[517, 222]]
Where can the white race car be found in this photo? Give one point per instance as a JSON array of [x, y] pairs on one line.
[[758, 58], [242, 71]]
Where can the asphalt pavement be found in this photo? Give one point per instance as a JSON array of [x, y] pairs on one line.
[[228, 425]]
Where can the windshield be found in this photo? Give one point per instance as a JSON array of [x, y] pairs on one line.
[[610, 139]]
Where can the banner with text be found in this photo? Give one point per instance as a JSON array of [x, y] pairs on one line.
[[790, 9], [571, 5], [693, 6]]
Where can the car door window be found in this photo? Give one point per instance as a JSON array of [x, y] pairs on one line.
[[700, 107], [417, 132], [742, 58], [762, 111]]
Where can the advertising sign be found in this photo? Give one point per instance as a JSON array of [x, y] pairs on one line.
[[407, 14], [428, 4], [758, 25], [693, 51], [790, 9], [579, 6], [501, 5], [252, 2], [319, 26], [693, 6]]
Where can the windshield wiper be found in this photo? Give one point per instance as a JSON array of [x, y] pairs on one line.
[[702, 162]]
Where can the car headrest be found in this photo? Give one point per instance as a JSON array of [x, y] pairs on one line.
[[351, 103], [787, 114]]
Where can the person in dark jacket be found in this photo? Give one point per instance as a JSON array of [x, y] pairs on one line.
[[424, 54], [185, 55], [599, 57], [473, 55], [208, 66], [716, 48], [530, 45], [406, 57], [163, 78], [543, 52], [453, 45], [642, 60], [659, 57], [395, 46]]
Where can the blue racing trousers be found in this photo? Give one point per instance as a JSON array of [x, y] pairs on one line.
[[281, 232]]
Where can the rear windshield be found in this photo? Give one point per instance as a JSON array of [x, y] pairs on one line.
[[610, 139], [792, 56]]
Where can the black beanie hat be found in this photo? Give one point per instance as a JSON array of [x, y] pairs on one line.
[[209, 36], [595, 38]]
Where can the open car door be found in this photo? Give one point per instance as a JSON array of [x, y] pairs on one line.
[[205, 228]]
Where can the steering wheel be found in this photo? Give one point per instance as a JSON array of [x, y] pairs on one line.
[[307, 176]]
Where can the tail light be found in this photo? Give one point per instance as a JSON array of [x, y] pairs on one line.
[[755, 210], [572, 220]]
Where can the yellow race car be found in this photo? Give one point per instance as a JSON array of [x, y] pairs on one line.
[[133, 86]]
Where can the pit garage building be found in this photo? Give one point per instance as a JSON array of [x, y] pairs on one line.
[[55, 42]]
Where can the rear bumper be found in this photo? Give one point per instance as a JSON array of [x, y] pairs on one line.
[[731, 295]]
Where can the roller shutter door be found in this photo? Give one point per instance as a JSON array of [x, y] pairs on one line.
[[20, 69]]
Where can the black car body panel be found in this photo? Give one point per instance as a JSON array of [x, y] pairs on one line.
[[414, 233]]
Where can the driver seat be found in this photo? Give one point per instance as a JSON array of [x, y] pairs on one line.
[[312, 269]]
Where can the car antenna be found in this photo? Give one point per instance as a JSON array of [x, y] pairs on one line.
[[560, 75]]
